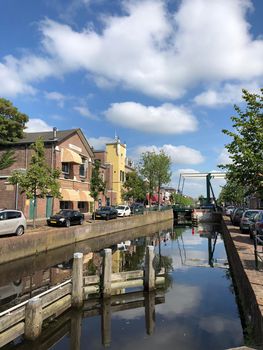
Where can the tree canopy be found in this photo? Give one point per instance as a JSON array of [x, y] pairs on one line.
[[12, 124], [156, 169], [232, 193], [39, 180], [246, 147], [134, 187]]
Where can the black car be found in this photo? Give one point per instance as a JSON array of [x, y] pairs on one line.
[[137, 208], [106, 213], [66, 217]]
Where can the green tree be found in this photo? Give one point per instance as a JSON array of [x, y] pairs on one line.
[[232, 193], [134, 187], [12, 124], [156, 168], [178, 198], [39, 180], [246, 147], [97, 185]]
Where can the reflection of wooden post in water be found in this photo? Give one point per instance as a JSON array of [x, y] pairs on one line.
[[77, 280], [75, 330], [149, 273], [106, 273], [150, 312], [106, 322]]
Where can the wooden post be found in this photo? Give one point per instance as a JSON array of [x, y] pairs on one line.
[[106, 274], [33, 318], [77, 280], [149, 272]]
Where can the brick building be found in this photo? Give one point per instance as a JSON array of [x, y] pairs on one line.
[[67, 150]]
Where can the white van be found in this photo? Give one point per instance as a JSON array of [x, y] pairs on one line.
[[12, 221]]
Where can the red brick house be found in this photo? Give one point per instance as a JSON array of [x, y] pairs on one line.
[[67, 150]]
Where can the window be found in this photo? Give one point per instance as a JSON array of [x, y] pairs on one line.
[[122, 176], [65, 168], [2, 216], [82, 168], [65, 205], [83, 207], [13, 215]]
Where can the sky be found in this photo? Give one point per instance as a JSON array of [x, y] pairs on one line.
[[159, 74]]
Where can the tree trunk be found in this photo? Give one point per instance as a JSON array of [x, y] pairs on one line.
[[159, 190], [94, 210]]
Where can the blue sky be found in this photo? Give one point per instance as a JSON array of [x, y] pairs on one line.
[[160, 74]]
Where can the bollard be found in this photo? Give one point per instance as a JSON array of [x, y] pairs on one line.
[[149, 272], [33, 318], [106, 273], [77, 280]]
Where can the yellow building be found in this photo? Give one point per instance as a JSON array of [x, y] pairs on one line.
[[116, 155]]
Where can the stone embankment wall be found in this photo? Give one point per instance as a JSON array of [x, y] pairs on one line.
[[38, 241], [248, 281]]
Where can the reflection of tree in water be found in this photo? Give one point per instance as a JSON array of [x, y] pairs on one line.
[[135, 260]]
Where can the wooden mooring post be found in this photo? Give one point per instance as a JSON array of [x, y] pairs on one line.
[[33, 318], [149, 272], [106, 273], [77, 280]]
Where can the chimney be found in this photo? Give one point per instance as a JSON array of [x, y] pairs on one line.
[[55, 133]]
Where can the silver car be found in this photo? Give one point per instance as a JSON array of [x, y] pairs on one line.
[[12, 221]]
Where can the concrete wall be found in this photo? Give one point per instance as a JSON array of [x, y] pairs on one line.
[[249, 305], [35, 242]]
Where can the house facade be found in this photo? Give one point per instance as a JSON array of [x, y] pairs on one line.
[[66, 150]]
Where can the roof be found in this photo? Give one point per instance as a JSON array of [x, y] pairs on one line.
[[47, 136]]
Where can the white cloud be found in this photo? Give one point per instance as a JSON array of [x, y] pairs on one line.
[[56, 96], [162, 54], [224, 157], [100, 142], [179, 154], [227, 94], [37, 125], [85, 112], [165, 119]]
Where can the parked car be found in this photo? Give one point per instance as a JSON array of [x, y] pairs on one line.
[[246, 218], [66, 217], [123, 210], [229, 210], [137, 208], [12, 221], [256, 226], [106, 213], [236, 216]]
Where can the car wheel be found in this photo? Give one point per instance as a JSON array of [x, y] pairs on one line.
[[107, 217], [67, 223], [20, 230], [81, 221]]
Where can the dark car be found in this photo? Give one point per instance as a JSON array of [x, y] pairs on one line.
[[106, 213], [66, 217], [137, 208]]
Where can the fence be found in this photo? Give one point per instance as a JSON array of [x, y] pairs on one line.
[[27, 318]]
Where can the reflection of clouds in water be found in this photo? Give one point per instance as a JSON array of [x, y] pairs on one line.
[[219, 324], [181, 299]]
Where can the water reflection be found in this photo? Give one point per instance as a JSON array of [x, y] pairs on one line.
[[195, 310]]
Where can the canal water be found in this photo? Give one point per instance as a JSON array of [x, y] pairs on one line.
[[195, 309]]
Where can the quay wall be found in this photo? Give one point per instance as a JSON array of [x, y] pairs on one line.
[[43, 240], [246, 281]]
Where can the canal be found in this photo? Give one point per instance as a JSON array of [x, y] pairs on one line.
[[195, 309]]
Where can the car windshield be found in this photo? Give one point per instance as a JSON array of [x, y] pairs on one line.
[[105, 208], [122, 207], [250, 214], [64, 212]]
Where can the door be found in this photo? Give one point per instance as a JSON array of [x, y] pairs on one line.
[[49, 205], [31, 209]]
